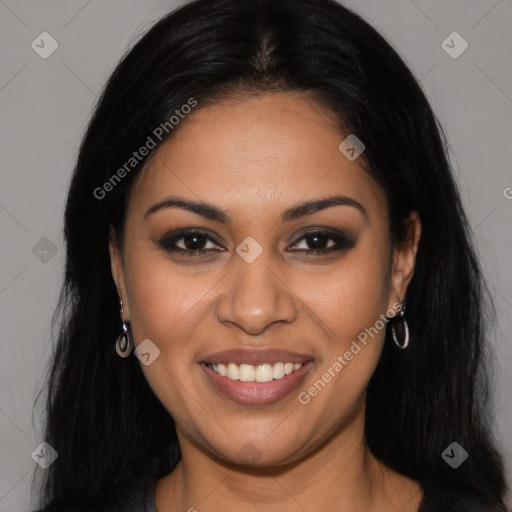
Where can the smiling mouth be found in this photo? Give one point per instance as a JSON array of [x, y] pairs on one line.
[[255, 373], [265, 391]]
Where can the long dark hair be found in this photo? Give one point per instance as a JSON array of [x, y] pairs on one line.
[[102, 417]]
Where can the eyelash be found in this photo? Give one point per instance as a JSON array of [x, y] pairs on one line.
[[342, 243]]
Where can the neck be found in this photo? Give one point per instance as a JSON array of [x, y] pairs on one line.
[[341, 474]]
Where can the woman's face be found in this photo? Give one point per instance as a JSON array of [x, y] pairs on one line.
[[259, 287]]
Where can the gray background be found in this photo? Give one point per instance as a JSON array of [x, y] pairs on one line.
[[45, 104]]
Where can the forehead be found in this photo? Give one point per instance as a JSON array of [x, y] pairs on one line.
[[277, 147]]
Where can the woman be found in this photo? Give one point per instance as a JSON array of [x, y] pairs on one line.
[[263, 195]]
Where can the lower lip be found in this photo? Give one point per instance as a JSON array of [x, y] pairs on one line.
[[257, 393]]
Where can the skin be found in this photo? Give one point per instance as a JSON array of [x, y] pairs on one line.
[[254, 158]]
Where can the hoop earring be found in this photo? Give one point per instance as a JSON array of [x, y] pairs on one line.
[[403, 327], [124, 342]]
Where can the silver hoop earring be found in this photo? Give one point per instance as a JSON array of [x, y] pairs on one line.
[[402, 327], [124, 342]]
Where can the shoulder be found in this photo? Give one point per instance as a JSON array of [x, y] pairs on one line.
[[456, 500]]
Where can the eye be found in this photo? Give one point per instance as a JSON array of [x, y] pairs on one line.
[[189, 243], [323, 242]]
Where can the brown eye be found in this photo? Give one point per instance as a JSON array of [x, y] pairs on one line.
[[189, 243], [321, 242], [194, 242]]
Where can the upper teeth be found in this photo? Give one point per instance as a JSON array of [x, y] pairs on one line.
[[249, 373]]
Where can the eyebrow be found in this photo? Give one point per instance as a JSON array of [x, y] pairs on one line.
[[211, 212]]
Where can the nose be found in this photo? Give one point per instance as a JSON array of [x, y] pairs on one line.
[[255, 296]]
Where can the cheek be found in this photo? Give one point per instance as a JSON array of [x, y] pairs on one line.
[[349, 301], [163, 300], [351, 296], [166, 306], [349, 304]]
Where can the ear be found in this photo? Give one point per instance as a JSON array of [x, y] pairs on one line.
[[117, 267], [404, 259]]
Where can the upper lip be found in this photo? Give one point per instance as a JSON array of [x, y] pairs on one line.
[[256, 357]]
